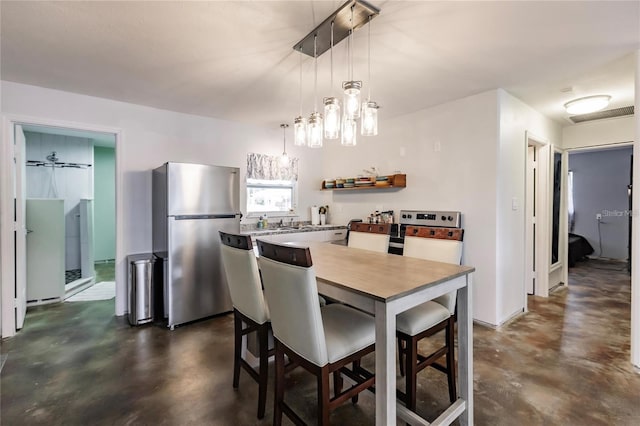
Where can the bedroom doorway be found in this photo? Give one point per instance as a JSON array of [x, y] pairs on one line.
[[600, 194]]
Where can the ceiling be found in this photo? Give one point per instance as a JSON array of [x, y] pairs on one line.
[[234, 59]]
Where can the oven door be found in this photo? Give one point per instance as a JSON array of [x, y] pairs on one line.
[[396, 245]]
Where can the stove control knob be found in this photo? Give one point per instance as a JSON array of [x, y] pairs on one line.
[[409, 216], [404, 216], [443, 218], [450, 218]]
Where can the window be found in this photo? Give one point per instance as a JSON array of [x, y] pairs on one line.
[[271, 185], [270, 196]]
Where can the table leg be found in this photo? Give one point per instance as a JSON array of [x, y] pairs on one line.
[[465, 351], [385, 366]]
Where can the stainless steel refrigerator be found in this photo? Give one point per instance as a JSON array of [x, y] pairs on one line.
[[191, 203]]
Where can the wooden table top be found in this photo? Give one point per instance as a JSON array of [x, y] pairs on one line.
[[380, 276]]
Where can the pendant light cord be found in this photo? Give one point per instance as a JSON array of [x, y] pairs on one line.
[[315, 84], [369, 59], [300, 80], [331, 52], [351, 46]]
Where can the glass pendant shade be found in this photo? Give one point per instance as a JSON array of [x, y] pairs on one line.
[[352, 98], [369, 123], [349, 131], [314, 130], [300, 131], [331, 118]]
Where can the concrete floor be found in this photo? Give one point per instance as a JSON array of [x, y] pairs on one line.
[[564, 363]]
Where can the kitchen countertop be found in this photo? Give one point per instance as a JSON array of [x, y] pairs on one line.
[[291, 230]]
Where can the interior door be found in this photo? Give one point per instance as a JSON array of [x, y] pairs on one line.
[[530, 232], [21, 227]]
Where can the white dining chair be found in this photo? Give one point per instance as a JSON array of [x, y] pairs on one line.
[[322, 340], [441, 245], [367, 236], [250, 311]]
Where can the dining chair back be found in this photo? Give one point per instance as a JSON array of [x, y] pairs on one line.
[[250, 311], [367, 236], [293, 300], [438, 244], [243, 276]]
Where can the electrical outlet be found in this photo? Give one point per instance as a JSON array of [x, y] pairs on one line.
[[598, 216]]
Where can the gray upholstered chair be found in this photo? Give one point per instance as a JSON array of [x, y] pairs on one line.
[[441, 245], [322, 340], [250, 310], [369, 236]]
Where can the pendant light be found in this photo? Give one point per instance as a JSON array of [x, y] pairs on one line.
[[369, 121], [284, 159], [331, 105], [314, 125], [300, 123], [351, 87]]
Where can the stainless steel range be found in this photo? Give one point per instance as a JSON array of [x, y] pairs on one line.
[[446, 219]]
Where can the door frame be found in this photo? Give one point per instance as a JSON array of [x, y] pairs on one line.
[[542, 234], [7, 224]]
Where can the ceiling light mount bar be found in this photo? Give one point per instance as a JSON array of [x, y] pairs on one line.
[[363, 12]]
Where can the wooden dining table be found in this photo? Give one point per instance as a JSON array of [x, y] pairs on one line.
[[386, 285]]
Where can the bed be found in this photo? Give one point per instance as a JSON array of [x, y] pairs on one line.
[[579, 248]]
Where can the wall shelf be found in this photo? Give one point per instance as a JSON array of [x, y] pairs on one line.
[[395, 181]]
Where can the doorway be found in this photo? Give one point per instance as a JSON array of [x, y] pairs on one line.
[[537, 216], [600, 196], [70, 211], [15, 181]]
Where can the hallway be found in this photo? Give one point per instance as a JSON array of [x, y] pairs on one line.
[[565, 362]]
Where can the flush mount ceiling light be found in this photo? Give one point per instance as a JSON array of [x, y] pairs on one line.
[[587, 104], [340, 122]]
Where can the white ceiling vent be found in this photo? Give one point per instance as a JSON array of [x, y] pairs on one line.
[[599, 115]]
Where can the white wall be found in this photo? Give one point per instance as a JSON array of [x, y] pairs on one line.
[[69, 184], [151, 137], [460, 176], [599, 132], [516, 118]]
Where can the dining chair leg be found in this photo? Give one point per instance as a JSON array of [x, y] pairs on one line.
[[263, 373], [278, 398], [355, 366], [337, 383], [401, 355], [323, 396], [411, 369], [237, 351], [451, 360]]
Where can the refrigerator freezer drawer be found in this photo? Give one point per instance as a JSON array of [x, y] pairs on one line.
[[197, 286]]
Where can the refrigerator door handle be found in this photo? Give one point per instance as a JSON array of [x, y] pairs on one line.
[[205, 216]]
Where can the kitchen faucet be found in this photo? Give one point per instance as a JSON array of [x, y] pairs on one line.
[[281, 224]]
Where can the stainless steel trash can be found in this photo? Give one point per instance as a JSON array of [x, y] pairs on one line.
[[140, 295]]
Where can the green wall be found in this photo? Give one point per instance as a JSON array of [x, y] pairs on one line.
[[104, 209]]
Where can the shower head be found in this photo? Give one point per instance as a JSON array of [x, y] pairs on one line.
[[52, 157]]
